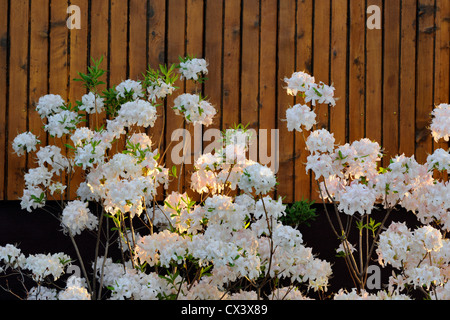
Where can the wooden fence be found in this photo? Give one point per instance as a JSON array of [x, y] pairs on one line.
[[387, 79]]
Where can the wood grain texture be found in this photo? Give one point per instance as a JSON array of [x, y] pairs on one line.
[[408, 43], [424, 89], [286, 66], [387, 80], [304, 62], [4, 66], [18, 102]]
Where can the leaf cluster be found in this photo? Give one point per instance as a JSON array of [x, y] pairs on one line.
[[299, 213]]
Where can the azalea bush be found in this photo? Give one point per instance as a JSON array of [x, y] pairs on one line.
[[223, 239], [350, 176], [226, 236]]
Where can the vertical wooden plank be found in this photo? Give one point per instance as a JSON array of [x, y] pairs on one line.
[[99, 47], [304, 59], [231, 72], [78, 63], [38, 76], [231, 65], [250, 63], [286, 60], [321, 54], [321, 67], [78, 52], [338, 69], [442, 59], [442, 65], [408, 78], [59, 48], [175, 48], [249, 70], [99, 29], [59, 69], [118, 54], [338, 72], [157, 29], [156, 52], [267, 82], [4, 41], [424, 85], [138, 36], [118, 59], [391, 79], [137, 44], [374, 81], [213, 54], [17, 104], [356, 71], [194, 46]]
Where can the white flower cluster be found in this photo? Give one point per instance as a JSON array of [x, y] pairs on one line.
[[30, 199], [299, 82], [92, 103], [298, 116], [42, 293], [50, 162], [180, 215], [427, 198], [194, 109], [77, 217], [130, 87], [226, 168], [257, 178], [301, 115], [51, 156], [204, 178], [440, 125], [312, 92], [40, 265], [422, 255], [221, 210], [62, 123], [320, 141], [193, 69], [38, 176], [132, 283], [234, 250], [75, 290], [236, 143], [49, 105], [74, 293], [349, 171], [212, 174], [161, 248], [25, 142], [12, 257], [357, 198], [44, 265], [91, 147], [440, 160], [136, 171], [138, 112], [159, 89]]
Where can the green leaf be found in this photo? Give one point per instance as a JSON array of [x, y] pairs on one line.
[[174, 171], [299, 213], [169, 205], [69, 146]]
